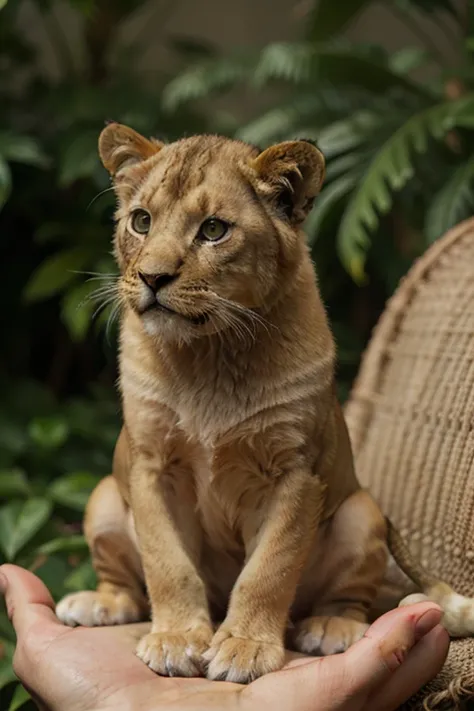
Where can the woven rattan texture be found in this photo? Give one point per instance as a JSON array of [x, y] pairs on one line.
[[411, 420]]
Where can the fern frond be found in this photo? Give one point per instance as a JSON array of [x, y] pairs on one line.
[[341, 165], [277, 123], [317, 109], [329, 199], [390, 170], [207, 77], [347, 134], [453, 203], [302, 62]]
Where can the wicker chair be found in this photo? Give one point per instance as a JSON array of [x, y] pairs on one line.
[[411, 420]]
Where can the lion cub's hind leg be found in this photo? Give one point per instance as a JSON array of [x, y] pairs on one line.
[[343, 577], [120, 595]]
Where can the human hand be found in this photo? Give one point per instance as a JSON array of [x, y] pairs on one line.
[[95, 669]]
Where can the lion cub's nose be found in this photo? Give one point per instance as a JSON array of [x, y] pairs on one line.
[[156, 281]]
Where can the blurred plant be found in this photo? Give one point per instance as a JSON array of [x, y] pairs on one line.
[[51, 458], [400, 171], [56, 439], [396, 148], [49, 126]]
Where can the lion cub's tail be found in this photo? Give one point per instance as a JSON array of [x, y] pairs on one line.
[[458, 610]]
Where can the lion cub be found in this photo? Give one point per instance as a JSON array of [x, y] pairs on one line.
[[233, 497]]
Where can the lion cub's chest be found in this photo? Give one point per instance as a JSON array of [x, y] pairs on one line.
[[227, 489]]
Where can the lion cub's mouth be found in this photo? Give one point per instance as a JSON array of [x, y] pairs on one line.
[[199, 320]]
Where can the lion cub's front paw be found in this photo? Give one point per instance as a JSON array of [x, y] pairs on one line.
[[322, 636], [175, 654], [241, 660], [92, 608]]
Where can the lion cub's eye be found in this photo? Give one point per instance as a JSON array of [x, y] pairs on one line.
[[213, 229], [140, 221]]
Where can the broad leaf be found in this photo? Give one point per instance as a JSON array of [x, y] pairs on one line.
[[49, 432], [13, 482], [53, 572], [390, 170], [453, 203], [329, 17], [79, 158], [408, 59], [22, 149], [73, 490], [5, 181], [7, 675], [19, 523], [19, 699], [56, 273], [6, 628], [69, 544], [83, 578], [77, 308]]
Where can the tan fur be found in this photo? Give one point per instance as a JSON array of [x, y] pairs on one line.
[[233, 481]]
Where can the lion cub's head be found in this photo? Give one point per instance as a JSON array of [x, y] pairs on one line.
[[206, 227]]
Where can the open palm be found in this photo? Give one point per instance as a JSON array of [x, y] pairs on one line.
[[86, 669]]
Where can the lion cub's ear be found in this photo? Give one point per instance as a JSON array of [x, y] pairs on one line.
[[292, 174], [121, 147]]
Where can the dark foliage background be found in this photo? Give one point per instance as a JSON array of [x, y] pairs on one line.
[[400, 172]]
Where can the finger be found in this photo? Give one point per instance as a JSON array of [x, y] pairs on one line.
[[349, 679], [373, 660], [28, 601], [422, 664]]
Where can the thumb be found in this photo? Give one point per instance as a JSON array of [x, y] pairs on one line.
[[387, 643], [28, 602], [382, 656]]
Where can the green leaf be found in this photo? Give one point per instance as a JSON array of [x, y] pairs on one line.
[[6, 627], [13, 482], [329, 199], [329, 18], [204, 78], [3, 3], [83, 578], [5, 182], [77, 309], [300, 62], [390, 170], [347, 134], [406, 60], [73, 490], [68, 544], [79, 158], [48, 432], [56, 272], [453, 203], [7, 675], [19, 523], [53, 572], [19, 699], [22, 149]]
